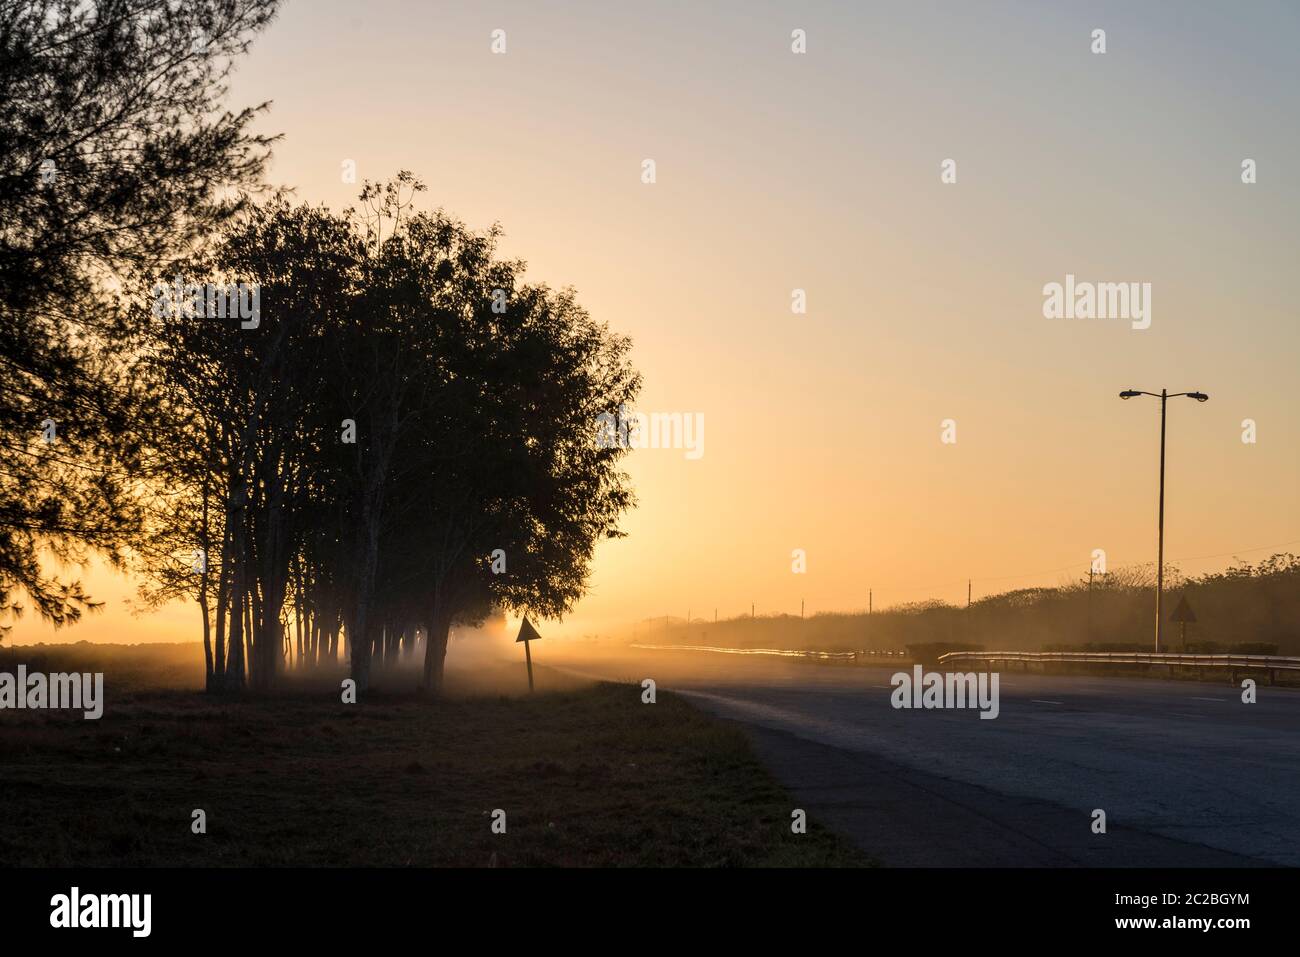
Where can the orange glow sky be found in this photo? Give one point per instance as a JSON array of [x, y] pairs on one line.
[[821, 171]]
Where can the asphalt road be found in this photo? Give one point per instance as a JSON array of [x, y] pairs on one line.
[[1186, 773]]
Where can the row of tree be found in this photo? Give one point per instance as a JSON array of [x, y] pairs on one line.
[[405, 439], [329, 430]]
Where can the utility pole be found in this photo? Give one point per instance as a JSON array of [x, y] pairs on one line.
[[1090, 571], [1160, 548], [868, 601], [1164, 398], [801, 608], [968, 593]]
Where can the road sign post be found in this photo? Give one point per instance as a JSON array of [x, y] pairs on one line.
[[528, 633], [1183, 614]]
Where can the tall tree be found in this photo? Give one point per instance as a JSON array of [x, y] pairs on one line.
[[115, 155]]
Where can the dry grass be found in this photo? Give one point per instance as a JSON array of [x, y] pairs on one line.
[[587, 775]]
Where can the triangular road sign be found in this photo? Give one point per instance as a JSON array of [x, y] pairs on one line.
[[527, 632], [1183, 612]]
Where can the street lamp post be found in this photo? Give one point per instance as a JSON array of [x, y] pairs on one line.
[[1164, 396]]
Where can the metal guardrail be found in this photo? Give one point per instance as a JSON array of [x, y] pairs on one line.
[[1244, 662], [779, 652], [1266, 662]]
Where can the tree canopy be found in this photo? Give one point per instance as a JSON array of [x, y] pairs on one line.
[[405, 407]]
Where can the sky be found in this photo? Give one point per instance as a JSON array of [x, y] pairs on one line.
[[822, 171]]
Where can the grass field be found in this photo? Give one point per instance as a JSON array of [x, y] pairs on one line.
[[586, 773]]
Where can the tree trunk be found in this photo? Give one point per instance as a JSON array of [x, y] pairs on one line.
[[435, 652], [238, 601], [360, 648], [221, 663], [203, 595]]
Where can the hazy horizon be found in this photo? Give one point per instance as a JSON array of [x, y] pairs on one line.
[[821, 171]]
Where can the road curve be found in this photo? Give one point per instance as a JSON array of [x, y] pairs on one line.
[[1187, 774]]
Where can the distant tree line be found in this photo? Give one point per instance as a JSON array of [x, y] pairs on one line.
[[1248, 609]]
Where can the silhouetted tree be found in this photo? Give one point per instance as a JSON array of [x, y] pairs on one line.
[[403, 406], [115, 154]]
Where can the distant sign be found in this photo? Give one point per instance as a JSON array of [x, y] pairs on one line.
[[528, 633], [1183, 612]]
